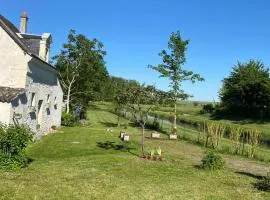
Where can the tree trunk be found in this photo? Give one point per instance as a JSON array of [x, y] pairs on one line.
[[118, 120], [142, 142], [68, 98], [174, 130]]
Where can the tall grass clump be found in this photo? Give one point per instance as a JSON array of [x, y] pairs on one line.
[[243, 141]]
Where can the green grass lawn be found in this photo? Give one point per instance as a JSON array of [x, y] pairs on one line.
[[71, 165]]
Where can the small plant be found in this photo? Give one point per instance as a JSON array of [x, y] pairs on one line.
[[264, 184], [152, 153], [212, 161], [68, 119], [159, 151]]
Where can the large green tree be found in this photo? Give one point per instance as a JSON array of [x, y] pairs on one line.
[[172, 68], [81, 69], [247, 89]]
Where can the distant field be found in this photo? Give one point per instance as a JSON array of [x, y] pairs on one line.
[[189, 112]]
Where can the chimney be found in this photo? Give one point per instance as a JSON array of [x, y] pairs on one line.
[[23, 22], [44, 47]]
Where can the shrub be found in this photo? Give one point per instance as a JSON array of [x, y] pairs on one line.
[[155, 125], [13, 141], [207, 108], [212, 161], [264, 184], [68, 119], [196, 103], [13, 162]]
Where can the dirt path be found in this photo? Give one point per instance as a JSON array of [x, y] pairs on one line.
[[195, 154], [238, 164]]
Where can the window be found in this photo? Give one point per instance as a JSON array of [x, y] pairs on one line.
[[33, 100], [40, 114], [48, 99], [55, 103]]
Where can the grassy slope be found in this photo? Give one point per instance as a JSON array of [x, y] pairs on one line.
[[70, 165]]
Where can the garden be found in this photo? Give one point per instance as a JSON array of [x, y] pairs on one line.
[[92, 162]]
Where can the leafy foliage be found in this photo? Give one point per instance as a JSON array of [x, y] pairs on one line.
[[68, 119], [136, 96], [212, 161], [13, 140], [207, 108], [172, 68], [246, 92], [13, 162], [81, 69], [153, 125]]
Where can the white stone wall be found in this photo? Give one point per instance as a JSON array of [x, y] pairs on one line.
[[42, 81], [13, 62], [5, 109], [20, 70]]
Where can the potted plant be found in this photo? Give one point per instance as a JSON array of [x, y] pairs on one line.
[[173, 136], [155, 134], [122, 134], [126, 137]]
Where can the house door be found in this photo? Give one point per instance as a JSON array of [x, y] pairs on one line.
[[40, 113]]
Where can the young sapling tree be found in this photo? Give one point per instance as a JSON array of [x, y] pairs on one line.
[[141, 100], [172, 68]]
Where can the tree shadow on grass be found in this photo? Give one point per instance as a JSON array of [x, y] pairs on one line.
[[249, 175], [109, 124], [117, 147], [198, 166], [262, 183]]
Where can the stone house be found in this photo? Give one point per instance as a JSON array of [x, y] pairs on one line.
[[30, 92]]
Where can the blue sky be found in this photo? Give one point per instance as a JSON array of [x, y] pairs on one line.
[[221, 32]]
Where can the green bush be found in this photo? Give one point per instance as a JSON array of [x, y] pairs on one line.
[[13, 141], [68, 119], [155, 125], [196, 103], [212, 161], [264, 184], [13, 162], [207, 108]]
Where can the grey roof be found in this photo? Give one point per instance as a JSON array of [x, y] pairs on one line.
[[8, 94], [29, 43], [32, 42]]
